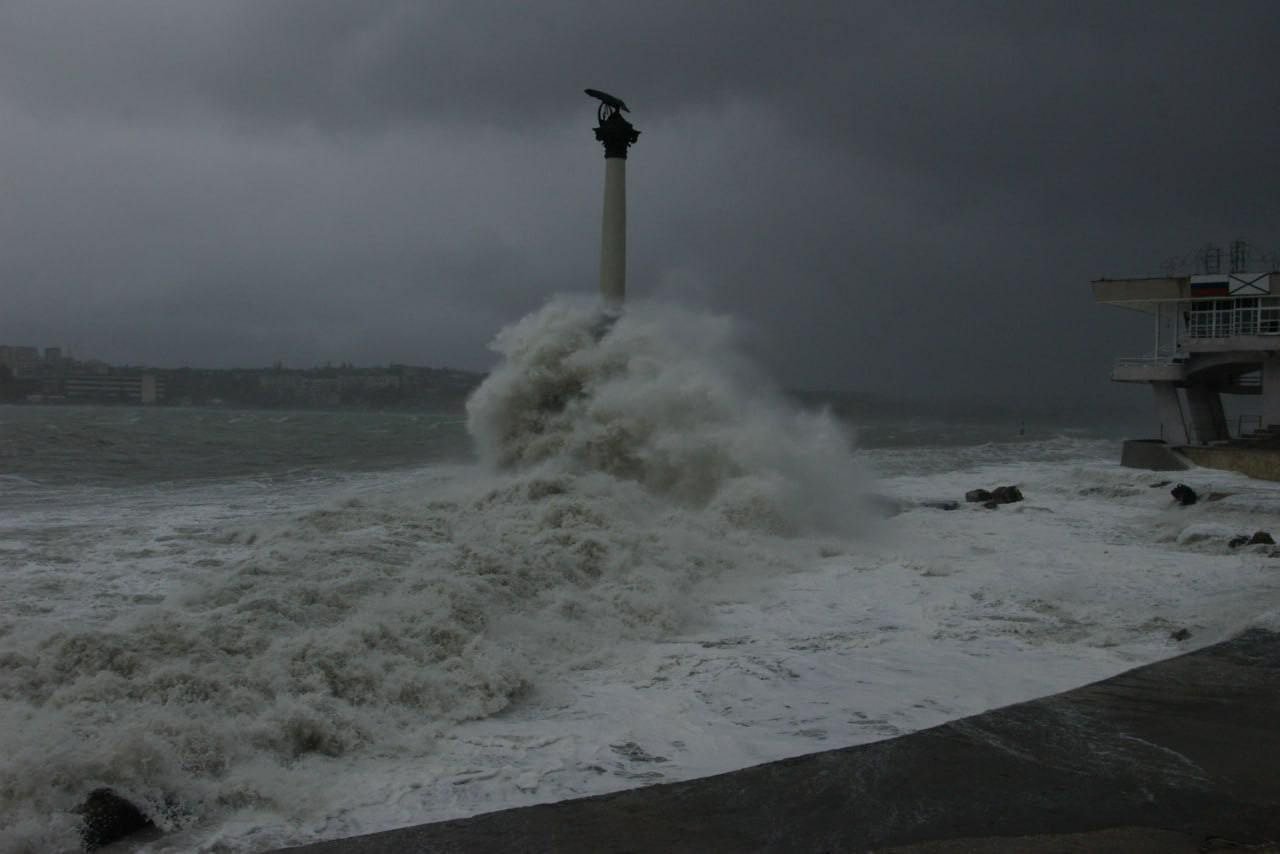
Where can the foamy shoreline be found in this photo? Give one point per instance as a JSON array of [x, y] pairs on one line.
[[942, 614]]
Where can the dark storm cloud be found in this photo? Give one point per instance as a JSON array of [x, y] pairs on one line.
[[898, 196]]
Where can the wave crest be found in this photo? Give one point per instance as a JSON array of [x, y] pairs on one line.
[[660, 396]]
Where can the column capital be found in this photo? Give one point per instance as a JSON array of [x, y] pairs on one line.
[[617, 134]]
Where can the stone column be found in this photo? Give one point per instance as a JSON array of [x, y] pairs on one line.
[[613, 233], [617, 134]]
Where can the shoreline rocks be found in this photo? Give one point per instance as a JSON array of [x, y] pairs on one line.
[[108, 818], [1259, 538], [991, 499]]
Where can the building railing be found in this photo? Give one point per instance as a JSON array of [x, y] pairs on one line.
[[1228, 318]]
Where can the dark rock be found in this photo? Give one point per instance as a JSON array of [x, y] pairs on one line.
[[1184, 494], [109, 817], [1160, 484], [941, 505], [1179, 635], [1261, 538], [1006, 494], [1237, 542], [999, 495], [991, 505]]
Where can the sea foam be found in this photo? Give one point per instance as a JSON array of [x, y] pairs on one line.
[[660, 396], [625, 462]]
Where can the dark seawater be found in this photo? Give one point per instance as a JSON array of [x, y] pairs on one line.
[[104, 446], [98, 446]]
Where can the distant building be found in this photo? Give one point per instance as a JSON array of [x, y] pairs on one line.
[[144, 388], [28, 361], [1213, 334], [23, 361], [368, 382], [53, 357]]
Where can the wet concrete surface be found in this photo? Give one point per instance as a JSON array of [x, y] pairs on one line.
[[1182, 755]]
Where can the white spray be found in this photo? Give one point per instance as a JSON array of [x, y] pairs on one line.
[[626, 464]]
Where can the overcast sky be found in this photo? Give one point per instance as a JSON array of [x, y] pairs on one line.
[[890, 196]]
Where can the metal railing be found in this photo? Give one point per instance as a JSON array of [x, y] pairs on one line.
[[1229, 322]]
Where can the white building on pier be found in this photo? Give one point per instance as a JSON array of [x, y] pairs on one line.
[[1212, 334]]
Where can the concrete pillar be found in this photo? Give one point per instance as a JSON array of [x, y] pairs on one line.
[[1271, 390], [1173, 428], [613, 234], [617, 135], [1208, 420]]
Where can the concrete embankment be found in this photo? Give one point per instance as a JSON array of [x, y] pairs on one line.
[[1151, 454], [1262, 463], [1182, 755]]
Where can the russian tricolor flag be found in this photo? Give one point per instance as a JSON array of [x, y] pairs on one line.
[[1210, 287]]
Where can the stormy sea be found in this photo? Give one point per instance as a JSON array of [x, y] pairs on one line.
[[632, 560]]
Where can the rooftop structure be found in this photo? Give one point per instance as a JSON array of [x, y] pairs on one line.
[[1213, 333]]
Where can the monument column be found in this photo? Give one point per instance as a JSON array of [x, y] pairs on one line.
[[617, 135]]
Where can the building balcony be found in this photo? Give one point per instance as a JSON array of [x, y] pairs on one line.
[[1148, 369]]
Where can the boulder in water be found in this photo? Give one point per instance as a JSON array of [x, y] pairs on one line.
[[1179, 634], [1237, 542], [108, 817], [1006, 494], [999, 495], [1184, 495], [1261, 538]]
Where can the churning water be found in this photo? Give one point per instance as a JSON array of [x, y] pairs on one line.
[[632, 561]]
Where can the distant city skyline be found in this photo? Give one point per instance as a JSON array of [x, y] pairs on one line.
[[54, 379], [9, 356]]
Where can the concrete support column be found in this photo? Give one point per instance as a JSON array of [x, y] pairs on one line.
[[613, 235], [1173, 428], [1208, 420], [1271, 390]]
